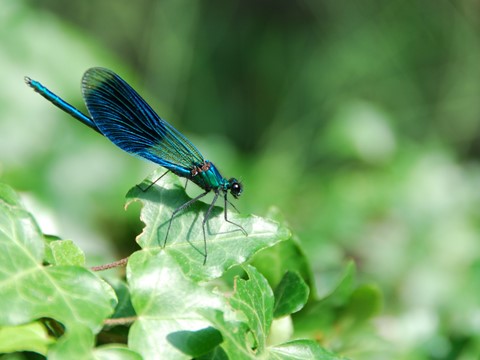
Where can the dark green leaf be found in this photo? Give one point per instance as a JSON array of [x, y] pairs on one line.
[[195, 343], [290, 295], [217, 354], [320, 315], [285, 256], [335, 318], [365, 302], [124, 307]]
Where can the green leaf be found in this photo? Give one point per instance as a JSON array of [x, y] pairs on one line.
[[166, 302], [236, 342], [320, 315], [115, 352], [290, 295], [344, 288], [71, 295], [245, 330], [29, 337], [195, 343], [285, 256], [226, 244], [76, 343], [124, 307], [301, 349], [9, 196], [175, 314], [365, 302], [254, 298], [217, 354], [21, 243], [345, 308], [65, 252]]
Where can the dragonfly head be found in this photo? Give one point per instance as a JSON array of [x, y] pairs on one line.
[[235, 187]]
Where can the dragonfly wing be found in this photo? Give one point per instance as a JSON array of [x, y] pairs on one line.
[[122, 116]]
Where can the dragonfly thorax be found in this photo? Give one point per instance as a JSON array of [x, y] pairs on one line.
[[208, 177], [198, 169]]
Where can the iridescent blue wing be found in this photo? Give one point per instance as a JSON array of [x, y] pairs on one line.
[[130, 123]]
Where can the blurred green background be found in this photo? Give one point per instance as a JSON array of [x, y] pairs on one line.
[[359, 120]]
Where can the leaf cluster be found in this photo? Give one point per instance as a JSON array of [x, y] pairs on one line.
[[170, 305]]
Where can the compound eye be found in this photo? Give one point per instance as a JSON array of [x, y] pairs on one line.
[[236, 188]]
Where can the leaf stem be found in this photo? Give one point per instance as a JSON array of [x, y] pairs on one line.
[[120, 321], [121, 262]]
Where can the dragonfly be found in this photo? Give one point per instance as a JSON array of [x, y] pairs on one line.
[[119, 113]]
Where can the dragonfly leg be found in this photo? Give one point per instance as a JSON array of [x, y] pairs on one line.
[[231, 204], [154, 182], [231, 222], [204, 222], [180, 208]]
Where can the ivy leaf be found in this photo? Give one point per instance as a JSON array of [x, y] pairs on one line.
[[64, 252], [365, 302], [71, 295], [236, 342], [28, 337], [291, 294], [166, 303], [342, 313], [285, 256], [344, 288], [124, 307], [300, 350], [245, 335], [195, 343], [79, 342], [226, 245], [115, 352], [319, 314], [76, 343], [254, 298]]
